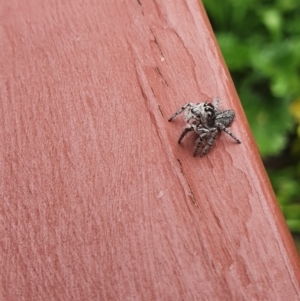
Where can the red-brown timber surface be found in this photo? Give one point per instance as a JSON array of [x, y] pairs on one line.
[[98, 201]]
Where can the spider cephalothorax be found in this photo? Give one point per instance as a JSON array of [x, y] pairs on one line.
[[206, 120]]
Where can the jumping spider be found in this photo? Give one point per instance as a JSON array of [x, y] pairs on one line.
[[206, 120]]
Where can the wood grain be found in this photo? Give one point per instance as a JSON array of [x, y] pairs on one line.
[[98, 201]]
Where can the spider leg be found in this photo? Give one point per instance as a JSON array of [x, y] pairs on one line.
[[200, 140], [223, 128], [202, 132], [184, 132], [180, 111], [198, 144], [216, 103], [209, 142]]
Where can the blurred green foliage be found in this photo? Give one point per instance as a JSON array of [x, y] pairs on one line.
[[260, 41]]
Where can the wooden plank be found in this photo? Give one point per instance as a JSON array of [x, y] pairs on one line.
[[98, 201]]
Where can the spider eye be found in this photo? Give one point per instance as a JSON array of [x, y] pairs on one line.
[[210, 111], [196, 113], [208, 107]]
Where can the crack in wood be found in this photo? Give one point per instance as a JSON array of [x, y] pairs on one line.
[[158, 46], [142, 10], [160, 110], [153, 91], [158, 71], [190, 188], [157, 105]]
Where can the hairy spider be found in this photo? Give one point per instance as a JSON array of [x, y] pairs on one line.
[[206, 120]]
